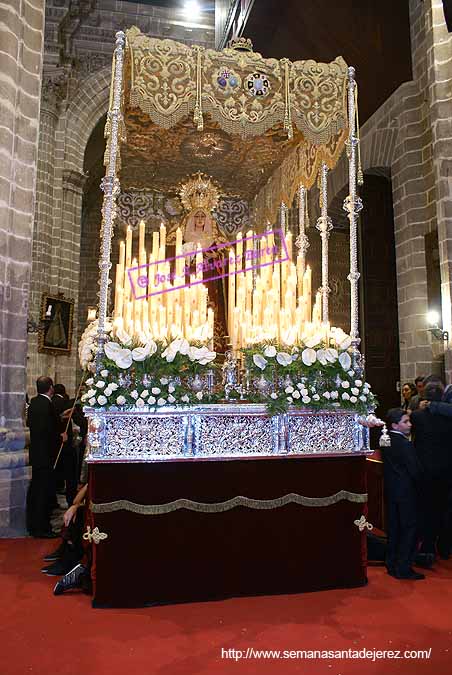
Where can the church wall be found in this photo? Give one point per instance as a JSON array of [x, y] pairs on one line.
[[76, 85], [21, 49], [410, 135]]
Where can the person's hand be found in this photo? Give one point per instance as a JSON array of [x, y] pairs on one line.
[[424, 404], [63, 437], [69, 515]]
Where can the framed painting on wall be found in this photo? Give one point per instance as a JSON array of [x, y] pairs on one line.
[[55, 332]]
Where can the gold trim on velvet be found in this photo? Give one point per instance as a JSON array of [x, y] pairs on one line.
[[362, 524], [220, 507], [95, 536]]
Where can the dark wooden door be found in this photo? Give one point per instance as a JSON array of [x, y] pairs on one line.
[[379, 320]]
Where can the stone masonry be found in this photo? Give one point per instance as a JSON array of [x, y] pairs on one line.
[[79, 41], [410, 135], [21, 49]]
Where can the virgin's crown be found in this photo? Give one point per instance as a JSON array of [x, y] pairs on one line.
[[199, 192]]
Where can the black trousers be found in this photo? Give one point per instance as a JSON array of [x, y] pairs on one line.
[[402, 531], [435, 510], [39, 500], [67, 470]]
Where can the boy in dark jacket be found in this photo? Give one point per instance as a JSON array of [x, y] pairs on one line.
[[402, 473]]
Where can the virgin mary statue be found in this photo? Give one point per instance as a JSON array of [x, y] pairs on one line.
[[199, 197]]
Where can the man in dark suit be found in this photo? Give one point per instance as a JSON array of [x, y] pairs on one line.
[[45, 439], [402, 473], [433, 443], [67, 466]]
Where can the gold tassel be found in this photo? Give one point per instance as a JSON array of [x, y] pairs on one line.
[[198, 117], [287, 113]]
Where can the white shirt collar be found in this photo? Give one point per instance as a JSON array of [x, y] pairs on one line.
[[46, 397]]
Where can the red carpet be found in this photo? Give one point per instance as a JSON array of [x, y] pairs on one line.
[[42, 634]]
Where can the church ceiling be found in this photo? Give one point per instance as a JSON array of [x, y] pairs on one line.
[[162, 158]]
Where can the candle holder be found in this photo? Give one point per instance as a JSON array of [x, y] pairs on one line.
[[230, 375], [210, 381], [196, 383]]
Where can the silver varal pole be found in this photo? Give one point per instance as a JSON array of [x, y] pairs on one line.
[[353, 205], [302, 241], [110, 187], [324, 226]]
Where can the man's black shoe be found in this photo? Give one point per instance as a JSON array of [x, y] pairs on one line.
[[60, 567], [45, 535], [56, 554], [410, 574], [78, 577]]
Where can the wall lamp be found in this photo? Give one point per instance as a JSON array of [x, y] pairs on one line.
[[437, 332]]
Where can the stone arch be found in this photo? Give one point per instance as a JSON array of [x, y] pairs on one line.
[[85, 110], [378, 150]]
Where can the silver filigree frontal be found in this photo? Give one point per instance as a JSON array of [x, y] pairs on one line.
[[221, 430]]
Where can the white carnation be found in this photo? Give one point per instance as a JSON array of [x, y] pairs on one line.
[[296, 394], [104, 372], [89, 381], [144, 393], [113, 386], [199, 395], [306, 399], [151, 400], [345, 384], [171, 388], [185, 399], [334, 395], [363, 398], [288, 390], [316, 397], [164, 380], [358, 383], [273, 396], [290, 399], [161, 401], [134, 394], [354, 391], [326, 394], [345, 396], [171, 398], [353, 399], [92, 401], [156, 391], [139, 403], [120, 400], [100, 384]]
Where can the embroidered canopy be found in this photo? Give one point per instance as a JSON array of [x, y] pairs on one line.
[[260, 127]]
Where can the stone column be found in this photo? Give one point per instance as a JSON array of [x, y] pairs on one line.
[[439, 68], [21, 48], [65, 272], [42, 364]]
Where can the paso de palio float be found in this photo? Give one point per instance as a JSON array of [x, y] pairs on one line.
[[227, 417]]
